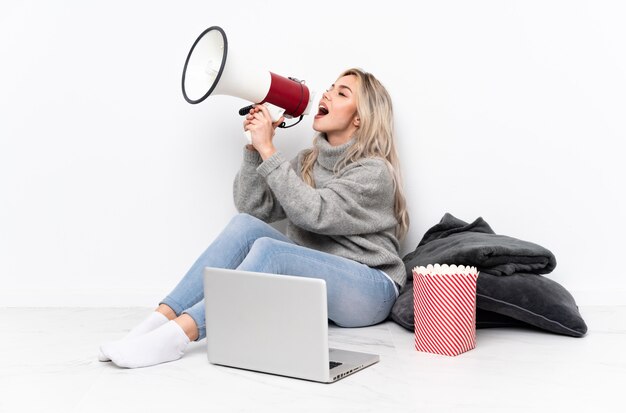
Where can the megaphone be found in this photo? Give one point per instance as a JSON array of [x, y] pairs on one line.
[[212, 69]]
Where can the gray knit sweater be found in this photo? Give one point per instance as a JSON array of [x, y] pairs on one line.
[[349, 214]]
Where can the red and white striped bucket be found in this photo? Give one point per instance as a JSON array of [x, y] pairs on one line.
[[444, 302]]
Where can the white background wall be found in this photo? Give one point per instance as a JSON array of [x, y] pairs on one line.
[[111, 184]]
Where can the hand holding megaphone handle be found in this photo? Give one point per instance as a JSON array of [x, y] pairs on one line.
[[275, 113]]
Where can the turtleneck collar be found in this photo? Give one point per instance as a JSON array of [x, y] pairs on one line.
[[329, 155]]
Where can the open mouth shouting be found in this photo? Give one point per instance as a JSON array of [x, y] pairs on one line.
[[321, 111]]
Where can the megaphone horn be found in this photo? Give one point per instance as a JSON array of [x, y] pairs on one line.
[[212, 69]]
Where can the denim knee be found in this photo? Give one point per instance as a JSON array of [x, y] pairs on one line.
[[261, 256]]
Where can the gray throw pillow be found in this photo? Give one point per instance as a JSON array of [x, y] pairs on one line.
[[526, 298], [533, 299]]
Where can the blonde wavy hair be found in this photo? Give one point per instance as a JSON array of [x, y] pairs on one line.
[[374, 138]]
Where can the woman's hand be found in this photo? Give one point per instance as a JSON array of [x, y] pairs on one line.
[[259, 123]]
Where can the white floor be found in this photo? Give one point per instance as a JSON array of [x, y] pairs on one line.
[[48, 364]]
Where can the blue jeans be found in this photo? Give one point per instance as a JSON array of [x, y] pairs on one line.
[[357, 294]]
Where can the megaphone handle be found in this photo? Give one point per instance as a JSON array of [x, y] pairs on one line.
[[275, 114], [275, 111]]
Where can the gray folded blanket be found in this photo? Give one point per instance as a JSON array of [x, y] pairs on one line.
[[453, 241], [509, 284]]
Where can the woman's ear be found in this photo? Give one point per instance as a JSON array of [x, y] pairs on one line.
[[357, 121]]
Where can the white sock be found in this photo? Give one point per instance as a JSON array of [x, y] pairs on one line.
[[166, 343], [153, 321]]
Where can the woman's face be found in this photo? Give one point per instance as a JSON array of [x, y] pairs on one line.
[[337, 116]]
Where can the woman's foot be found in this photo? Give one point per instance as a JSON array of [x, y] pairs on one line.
[[153, 321], [166, 343]]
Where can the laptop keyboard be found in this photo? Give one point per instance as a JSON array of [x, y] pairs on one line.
[[334, 364]]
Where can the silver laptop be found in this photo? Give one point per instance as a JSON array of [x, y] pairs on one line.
[[274, 324]]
